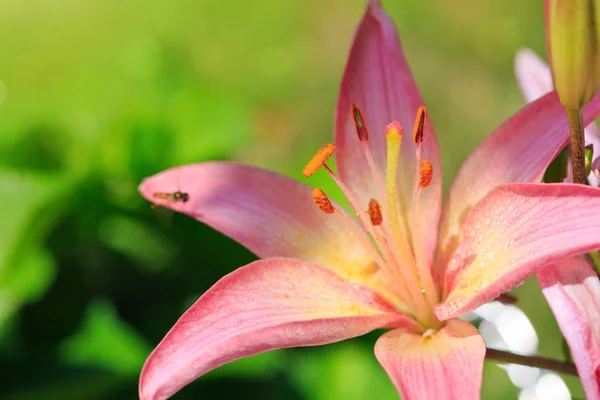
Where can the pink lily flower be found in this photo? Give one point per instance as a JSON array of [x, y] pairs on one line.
[[571, 286], [326, 276]]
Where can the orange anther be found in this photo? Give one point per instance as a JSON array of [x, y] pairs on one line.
[[420, 125], [426, 173], [359, 123], [374, 212], [322, 201], [318, 159]]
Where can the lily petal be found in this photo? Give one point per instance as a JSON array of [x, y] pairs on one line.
[[448, 364], [270, 214], [533, 75], [572, 289], [268, 304], [519, 150], [378, 80], [512, 232]]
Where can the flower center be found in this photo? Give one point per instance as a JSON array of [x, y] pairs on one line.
[[392, 230]]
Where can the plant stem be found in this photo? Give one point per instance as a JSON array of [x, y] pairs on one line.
[[506, 298], [575, 118], [563, 367]]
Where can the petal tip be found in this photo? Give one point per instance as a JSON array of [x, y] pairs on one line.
[[524, 53], [374, 4], [144, 188]]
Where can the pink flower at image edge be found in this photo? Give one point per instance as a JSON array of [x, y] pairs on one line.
[[326, 276], [571, 286]]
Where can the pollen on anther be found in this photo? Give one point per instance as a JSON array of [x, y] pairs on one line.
[[318, 159], [359, 123], [426, 173], [374, 212], [322, 201], [420, 125]]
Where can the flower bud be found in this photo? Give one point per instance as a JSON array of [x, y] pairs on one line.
[[573, 34]]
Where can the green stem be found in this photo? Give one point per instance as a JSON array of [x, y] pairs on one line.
[[562, 367], [575, 118]]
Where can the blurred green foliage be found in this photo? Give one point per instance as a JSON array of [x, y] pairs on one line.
[[96, 95]]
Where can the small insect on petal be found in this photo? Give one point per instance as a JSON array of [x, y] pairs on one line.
[[318, 159], [420, 125], [426, 173], [175, 197], [322, 201], [359, 123], [374, 212]]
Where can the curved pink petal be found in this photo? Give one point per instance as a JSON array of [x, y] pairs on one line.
[[378, 80], [448, 364], [572, 289], [270, 214], [533, 75], [266, 305], [512, 232], [519, 150]]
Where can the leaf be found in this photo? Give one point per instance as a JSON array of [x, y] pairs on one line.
[[105, 341], [343, 371], [32, 205], [143, 243]]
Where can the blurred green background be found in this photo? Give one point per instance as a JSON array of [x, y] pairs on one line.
[[96, 95]]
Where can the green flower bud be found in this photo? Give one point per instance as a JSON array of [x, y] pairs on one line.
[[573, 32]]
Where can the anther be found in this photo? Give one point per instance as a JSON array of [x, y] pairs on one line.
[[359, 123], [318, 159], [322, 201], [420, 125], [426, 173], [374, 212]]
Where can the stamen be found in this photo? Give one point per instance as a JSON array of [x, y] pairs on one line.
[[369, 228], [426, 173], [420, 125], [374, 212], [318, 159], [371, 225], [359, 122], [322, 201], [363, 136], [423, 174]]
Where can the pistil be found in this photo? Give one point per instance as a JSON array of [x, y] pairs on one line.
[[394, 133]]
